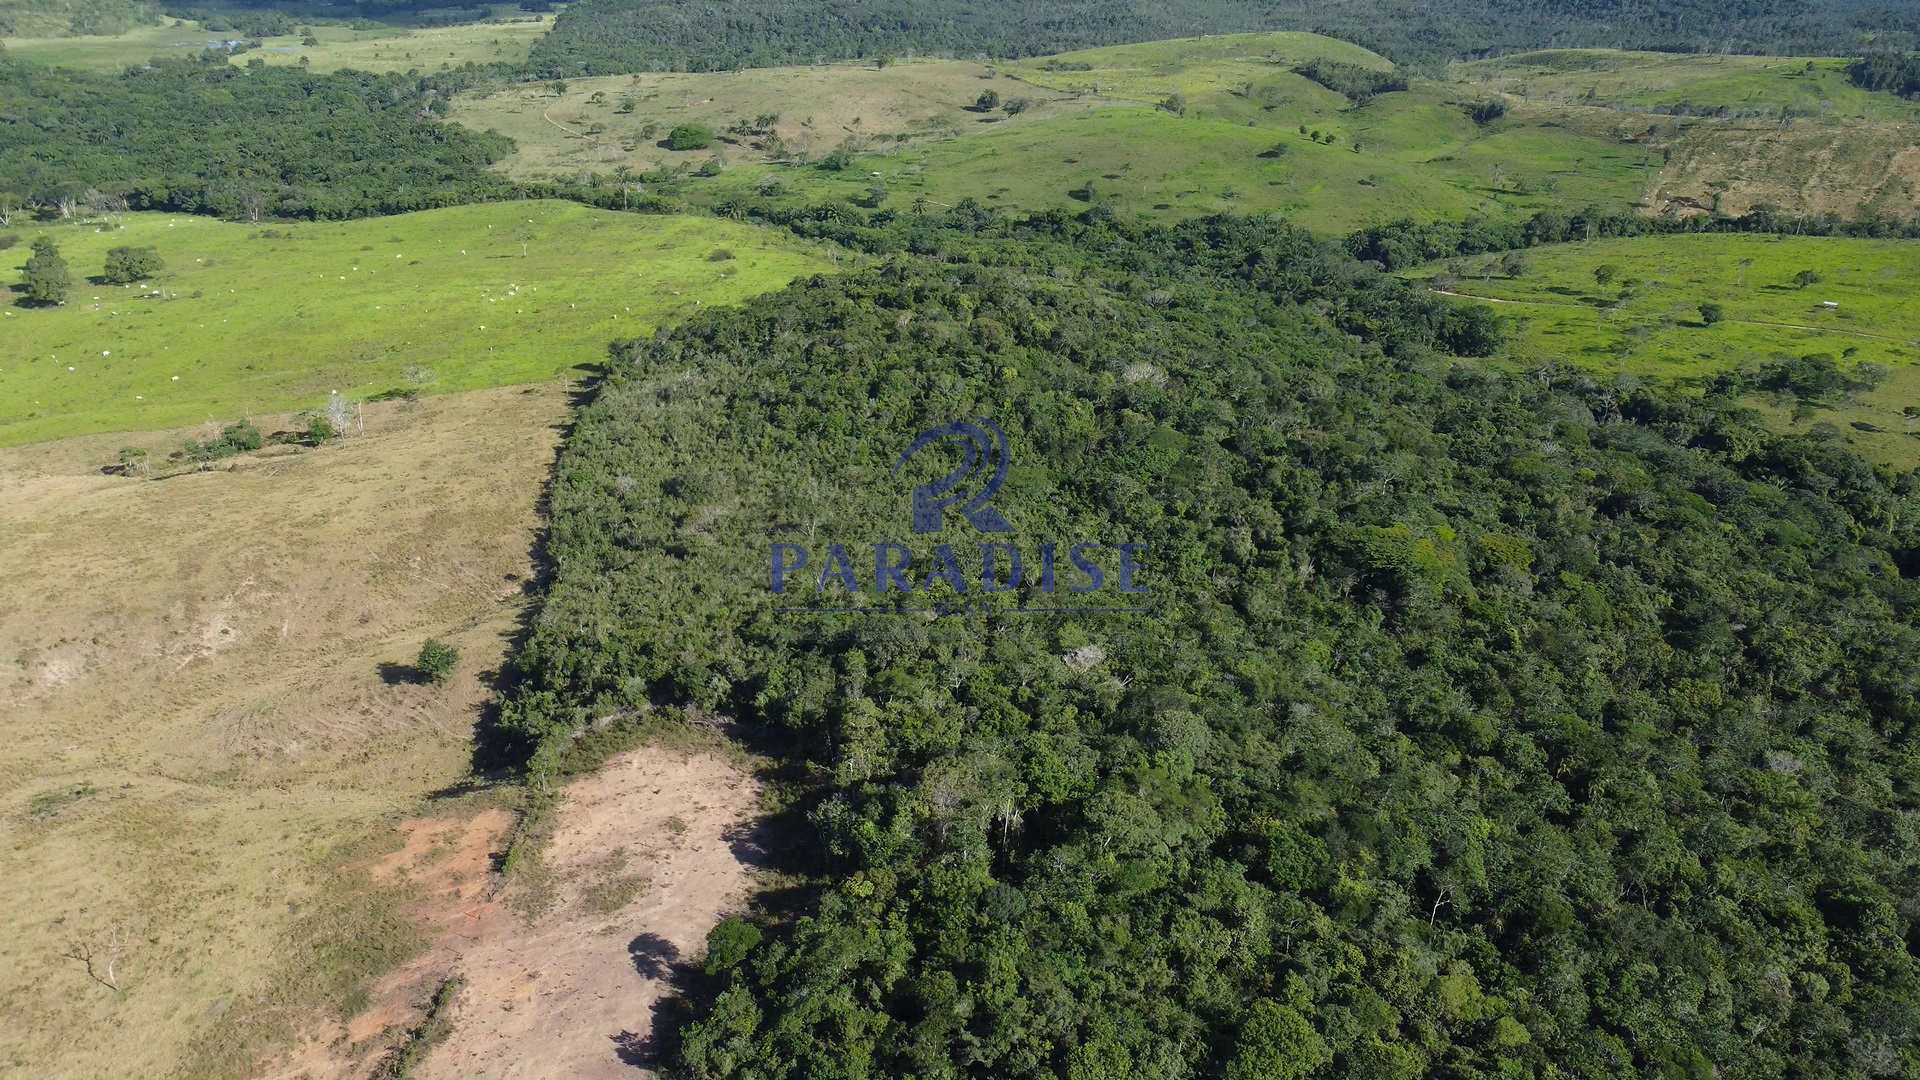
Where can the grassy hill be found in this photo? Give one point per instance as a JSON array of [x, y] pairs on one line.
[[817, 108], [1646, 320], [1096, 117], [249, 318], [1751, 85], [424, 49]]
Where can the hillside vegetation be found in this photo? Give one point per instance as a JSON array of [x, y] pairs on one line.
[[611, 36], [204, 136], [245, 319], [1193, 126], [1164, 129], [1471, 726]]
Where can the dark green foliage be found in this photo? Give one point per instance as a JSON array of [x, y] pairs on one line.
[[1404, 244], [1711, 313], [1358, 84], [44, 278], [320, 429], [689, 137], [247, 143], [236, 438], [1818, 379], [1887, 71], [126, 265], [729, 943], [607, 37], [1477, 726], [1486, 112], [437, 660]]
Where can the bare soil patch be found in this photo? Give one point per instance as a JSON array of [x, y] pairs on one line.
[[646, 855]]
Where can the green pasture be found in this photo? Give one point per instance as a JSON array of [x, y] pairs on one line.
[[1647, 321], [1809, 86], [249, 318]]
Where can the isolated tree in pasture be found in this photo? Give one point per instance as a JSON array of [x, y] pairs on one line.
[[1605, 274], [1711, 313], [1175, 104], [1513, 264], [988, 101], [44, 279], [126, 265], [689, 137], [1805, 278], [437, 660]]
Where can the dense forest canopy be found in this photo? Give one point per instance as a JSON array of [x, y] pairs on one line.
[[253, 142], [614, 36], [1477, 725], [57, 17]]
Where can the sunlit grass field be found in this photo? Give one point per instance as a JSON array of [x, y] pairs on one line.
[[425, 49], [249, 318], [104, 52], [1237, 147], [1647, 322], [381, 49], [1813, 86], [818, 106]]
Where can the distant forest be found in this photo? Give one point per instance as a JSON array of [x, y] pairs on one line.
[[613, 36], [203, 136]]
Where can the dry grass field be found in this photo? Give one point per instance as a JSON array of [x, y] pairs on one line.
[[211, 722], [819, 107]]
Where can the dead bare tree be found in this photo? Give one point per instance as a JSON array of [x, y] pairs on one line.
[[340, 414], [101, 959]]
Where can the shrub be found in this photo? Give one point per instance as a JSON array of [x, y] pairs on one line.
[[689, 137], [126, 265], [236, 438], [1711, 313], [437, 660]]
